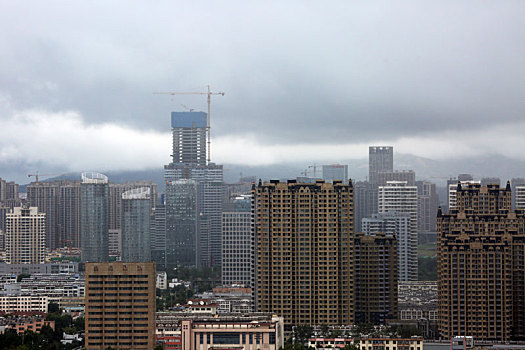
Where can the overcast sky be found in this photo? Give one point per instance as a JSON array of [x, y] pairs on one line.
[[305, 80]]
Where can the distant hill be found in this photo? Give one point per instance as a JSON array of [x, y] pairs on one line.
[[437, 171]]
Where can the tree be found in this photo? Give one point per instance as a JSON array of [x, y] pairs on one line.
[[350, 347], [302, 333], [53, 308], [324, 330], [21, 276]]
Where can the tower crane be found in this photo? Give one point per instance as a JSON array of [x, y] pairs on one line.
[[208, 93], [36, 175]]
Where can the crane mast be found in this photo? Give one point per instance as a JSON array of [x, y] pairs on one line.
[[208, 125]]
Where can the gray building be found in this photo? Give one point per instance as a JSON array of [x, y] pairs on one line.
[[158, 235], [335, 172], [135, 226], [94, 217], [115, 197], [383, 177], [380, 159], [397, 224], [427, 200], [516, 182], [45, 196], [365, 202], [238, 243], [189, 163], [181, 223]]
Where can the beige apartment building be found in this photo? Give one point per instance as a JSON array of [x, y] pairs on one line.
[[120, 305], [305, 263], [481, 265], [25, 236]]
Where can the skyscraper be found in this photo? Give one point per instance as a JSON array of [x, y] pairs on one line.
[[45, 196], [305, 238], [238, 243], [520, 197], [120, 305], [181, 223], [397, 196], [94, 217], [481, 266], [380, 159], [365, 199], [25, 236], [115, 197], [427, 208], [189, 137], [136, 222], [189, 163]]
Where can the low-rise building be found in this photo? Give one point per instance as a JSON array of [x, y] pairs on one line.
[[231, 299], [23, 324], [23, 303], [414, 343], [180, 330], [162, 280]]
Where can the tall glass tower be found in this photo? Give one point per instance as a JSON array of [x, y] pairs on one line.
[[94, 217], [135, 226]]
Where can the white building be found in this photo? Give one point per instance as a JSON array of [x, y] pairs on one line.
[[453, 188], [398, 197], [162, 280], [25, 236], [520, 197], [23, 303]]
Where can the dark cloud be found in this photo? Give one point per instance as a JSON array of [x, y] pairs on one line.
[[293, 72]]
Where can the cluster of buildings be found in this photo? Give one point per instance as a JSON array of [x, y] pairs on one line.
[[309, 251]]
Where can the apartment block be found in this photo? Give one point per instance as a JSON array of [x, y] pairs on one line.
[[305, 262], [120, 305], [25, 236], [481, 265]]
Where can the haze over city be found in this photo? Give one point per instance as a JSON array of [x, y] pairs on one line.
[[303, 81]]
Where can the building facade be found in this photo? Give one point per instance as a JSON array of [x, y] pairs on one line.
[[135, 226], [120, 305], [25, 236], [375, 278], [380, 159], [238, 244], [398, 196], [481, 266], [181, 223], [304, 234], [94, 217]]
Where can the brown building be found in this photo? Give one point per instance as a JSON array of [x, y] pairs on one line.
[[120, 305], [305, 269], [481, 267], [375, 278]]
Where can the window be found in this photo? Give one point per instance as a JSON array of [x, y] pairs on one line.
[[226, 338]]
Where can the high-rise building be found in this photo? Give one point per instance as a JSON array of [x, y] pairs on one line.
[[397, 196], [115, 198], [25, 236], [238, 243], [481, 266], [189, 163], [380, 159], [8, 191], [136, 224], [120, 305], [365, 202], [427, 206], [396, 224], [158, 235], [335, 172], [305, 263], [181, 223], [45, 196], [375, 278], [69, 214], [94, 217], [189, 137], [60, 201]]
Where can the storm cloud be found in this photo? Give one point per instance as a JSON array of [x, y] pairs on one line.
[[308, 77]]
